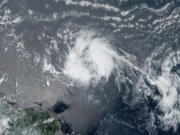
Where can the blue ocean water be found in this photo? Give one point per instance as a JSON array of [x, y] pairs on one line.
[[36, 37]]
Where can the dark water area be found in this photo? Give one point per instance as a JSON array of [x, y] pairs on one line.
[[140, 96]]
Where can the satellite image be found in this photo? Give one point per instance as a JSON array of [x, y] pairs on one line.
[[89, 67]]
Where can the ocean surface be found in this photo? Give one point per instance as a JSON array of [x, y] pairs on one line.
[[98, 67]]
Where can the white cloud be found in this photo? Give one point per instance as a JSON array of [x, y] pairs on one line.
[[90, 58]]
